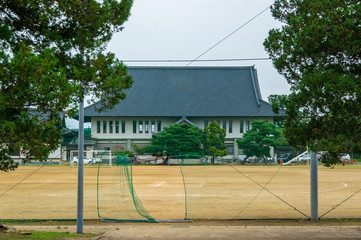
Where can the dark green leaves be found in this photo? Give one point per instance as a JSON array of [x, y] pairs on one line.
[[258, 140], [178, 139], [318, 50], [215, 137], [51, 55]]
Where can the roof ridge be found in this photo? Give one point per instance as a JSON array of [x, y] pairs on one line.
[[254, 85], [192, 67]]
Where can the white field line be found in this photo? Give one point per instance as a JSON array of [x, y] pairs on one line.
[[326, 190], [182, 195], [335, 189], [202, 195], [160, 184], [214, 195]]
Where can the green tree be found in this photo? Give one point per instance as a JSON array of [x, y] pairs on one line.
[[277, 101], [318, 50], [178, 139], [278, 106], [259, 140], [215, 137], [282, 139], [51, 55]]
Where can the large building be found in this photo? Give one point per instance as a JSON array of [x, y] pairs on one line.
[[162, 96]]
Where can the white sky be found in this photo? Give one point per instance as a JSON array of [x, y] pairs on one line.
[[184, 29]]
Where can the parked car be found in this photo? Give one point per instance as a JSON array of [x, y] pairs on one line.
[[306, 157], [345, 158], [251, 160], [85, 160]]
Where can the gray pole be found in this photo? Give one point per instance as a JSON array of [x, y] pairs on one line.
[[314, 186], [79, 222]]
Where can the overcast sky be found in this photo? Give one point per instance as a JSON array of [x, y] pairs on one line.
[[184, 29]]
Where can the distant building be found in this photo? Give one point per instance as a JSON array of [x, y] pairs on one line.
[[162, 96]]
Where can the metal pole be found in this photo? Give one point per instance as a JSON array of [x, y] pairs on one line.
[[314, 186], [110, 159], [79, 223]]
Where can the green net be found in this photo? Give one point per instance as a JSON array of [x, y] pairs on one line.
[[186, 188], [183, 187], [121, 198], [150, 192]]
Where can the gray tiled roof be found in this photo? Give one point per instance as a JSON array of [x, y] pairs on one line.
[[191, 92]]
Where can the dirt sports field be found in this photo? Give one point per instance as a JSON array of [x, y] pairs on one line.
[[212, 192]]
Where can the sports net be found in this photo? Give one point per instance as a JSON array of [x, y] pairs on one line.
[[120, 201], [181, 190], [149, 192]]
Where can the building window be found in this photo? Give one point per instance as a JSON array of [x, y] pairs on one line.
[[159, 126], [123, 127], [134, 126], [248, 125], [104, 126], [224, 123], [153, 127], [98, 126], [116, 126], [230, 149], [110, 126], [140, 126], [230, 126], [146, 126], [205, 123], [241, 126], [219, 123]]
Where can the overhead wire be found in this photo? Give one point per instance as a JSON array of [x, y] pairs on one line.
[[138, 98], [196, 59], [199, 60], [223, 39]]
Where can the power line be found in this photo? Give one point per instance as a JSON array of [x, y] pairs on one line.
[[138, 99], [204, 60], [228, 36]]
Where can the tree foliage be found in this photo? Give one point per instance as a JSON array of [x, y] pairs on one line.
[[282, 140], [51, 55], [213, 143], [277, 102], [278, 106], [259, 139], [178, 139], [318, 50]]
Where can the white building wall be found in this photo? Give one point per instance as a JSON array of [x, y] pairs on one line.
[[236, 126], [108, 141], [165, 122], [55, 154]]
